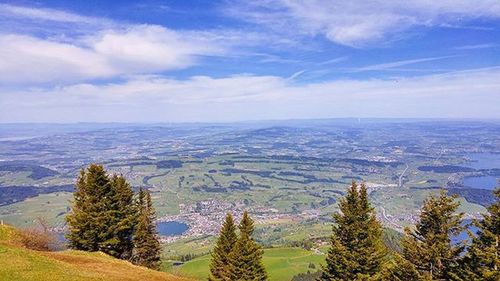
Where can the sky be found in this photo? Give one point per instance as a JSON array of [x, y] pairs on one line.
[[231, 60]]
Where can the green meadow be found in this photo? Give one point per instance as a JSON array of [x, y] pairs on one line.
[[281, 264]]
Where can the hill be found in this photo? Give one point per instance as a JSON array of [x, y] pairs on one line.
[[281, 264], [18, 263]]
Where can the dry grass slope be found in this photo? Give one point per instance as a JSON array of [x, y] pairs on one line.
[[18, 263]]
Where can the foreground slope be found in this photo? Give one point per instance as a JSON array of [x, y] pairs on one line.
[[18, 263]]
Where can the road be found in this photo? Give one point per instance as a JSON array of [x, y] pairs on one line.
[[384, 215], [400, 184]]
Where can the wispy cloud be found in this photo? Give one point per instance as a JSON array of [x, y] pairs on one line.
[[271, 58], [394, 64], [357, 23], [45, 14], [51, 22], [477, 46], [296, 74], [333, 61]]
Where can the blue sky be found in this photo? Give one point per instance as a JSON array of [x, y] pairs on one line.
[[220, 61]]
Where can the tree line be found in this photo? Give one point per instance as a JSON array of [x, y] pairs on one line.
[[108, 216], [428, 250], [357, 251]]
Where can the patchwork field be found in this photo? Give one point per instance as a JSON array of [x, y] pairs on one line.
[[289, 175]]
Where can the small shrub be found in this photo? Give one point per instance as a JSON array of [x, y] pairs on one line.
[[39, 237]]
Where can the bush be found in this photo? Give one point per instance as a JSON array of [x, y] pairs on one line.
[[308, 276], [39, 237]]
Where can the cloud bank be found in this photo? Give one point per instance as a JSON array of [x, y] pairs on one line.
[[455, 95]]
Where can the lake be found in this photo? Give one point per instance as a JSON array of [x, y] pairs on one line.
[[171, 228], [464, 235], [483, 161], [483, 182]]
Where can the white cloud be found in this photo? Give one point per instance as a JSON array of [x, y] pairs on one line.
[[360, 22], [108, 53], [146, 49], [25, 59], [462, 94]]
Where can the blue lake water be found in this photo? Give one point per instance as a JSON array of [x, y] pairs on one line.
[[484, 182], [483, 161], [171, 228], [464, 235]]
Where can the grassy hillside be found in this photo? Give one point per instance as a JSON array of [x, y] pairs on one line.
[[281, 264], [18, 263]]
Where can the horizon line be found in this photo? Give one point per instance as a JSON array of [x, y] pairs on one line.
[[359, 119]]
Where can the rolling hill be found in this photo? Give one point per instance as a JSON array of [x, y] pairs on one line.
[[21, 264]]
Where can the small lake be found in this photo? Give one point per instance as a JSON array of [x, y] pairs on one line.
[[483, 161], [171, 228]]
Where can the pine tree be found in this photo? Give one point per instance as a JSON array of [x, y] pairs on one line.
[[246, 256], [90, 218], [219, 267], [146, 244], [429, 249], [399, 269], [102, 217], [482, 261], [356, 247], [120, 218], [126, 217]]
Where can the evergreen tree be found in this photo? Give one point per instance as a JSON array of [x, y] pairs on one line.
[[428, 250], [126, 218], [102, 217], [356, 247], [246, 256], [219, 267], [482, 261], [399, 269], [90, 218], [146, 244], [120, 218]]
